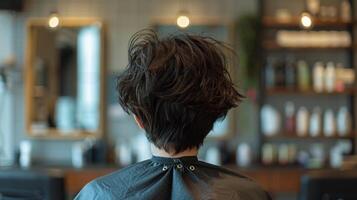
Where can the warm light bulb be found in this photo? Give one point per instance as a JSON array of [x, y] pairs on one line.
[[183, 21], [53, 21], [306, 20]]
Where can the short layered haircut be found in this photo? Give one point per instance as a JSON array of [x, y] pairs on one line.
[[178, 86]]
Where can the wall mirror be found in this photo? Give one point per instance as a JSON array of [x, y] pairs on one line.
[[223, 129], [64, 79]]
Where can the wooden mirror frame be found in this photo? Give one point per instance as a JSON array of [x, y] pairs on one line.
[[231, 27], [53, 133]]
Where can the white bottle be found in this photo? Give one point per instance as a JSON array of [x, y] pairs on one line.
[[330, 77], [318, 154], [244, 155], [271, 120], [337, 152], [344, 122], [302, 122], [336, 157], [313, 6], [65, 114], [318, 77], [25, 153], [345, 11], [213, 156], [315, 122], [78, 149], [283, 154], [329, 123], [124, 154], [141, 147], [269, 154]]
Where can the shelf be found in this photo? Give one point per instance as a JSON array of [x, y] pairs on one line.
[[293, 136], [287, 91], [272, 22], [54, 134], [276, 43], [272, 45], [265, 167]]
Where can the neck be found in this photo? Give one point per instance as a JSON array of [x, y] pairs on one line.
[[162, 153]]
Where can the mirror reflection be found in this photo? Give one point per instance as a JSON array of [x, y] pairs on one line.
[[66, 79]]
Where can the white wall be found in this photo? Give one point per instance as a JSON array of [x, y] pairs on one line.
[[6, 36], [6, 96]]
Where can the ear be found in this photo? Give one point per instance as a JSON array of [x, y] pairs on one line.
[[139, 122]]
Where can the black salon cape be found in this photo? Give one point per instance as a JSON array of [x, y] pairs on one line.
[[172, 178]]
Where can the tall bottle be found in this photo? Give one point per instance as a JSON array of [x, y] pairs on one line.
[[315, 122], [290, 70], [303, 75], [329, 123], [302, 122], [313, 6], [344, 121], [289, 117], [345, 10], [330, 77], [340, 82], [270, 73], [318, 77], [280, 73]]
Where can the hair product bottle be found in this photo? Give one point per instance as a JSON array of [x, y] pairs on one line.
[[303, 75], [302, 122], [329, 123], [330, 77], [344, 121], [290, 117], [345, 11], [318, 77], [315, 122]]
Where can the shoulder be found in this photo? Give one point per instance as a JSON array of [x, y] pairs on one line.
[[91, 191], [235, 183], [124, 176], [218, 170], [113, 185]]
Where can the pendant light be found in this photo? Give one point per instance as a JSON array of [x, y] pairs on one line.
[[182, 21], [53, 20], [306, 20]]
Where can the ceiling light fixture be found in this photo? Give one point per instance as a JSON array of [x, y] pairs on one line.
[[306, 20], [53, 20], [183, 21]]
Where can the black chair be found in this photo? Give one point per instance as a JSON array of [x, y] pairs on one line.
[[329, 185], [31, 185]]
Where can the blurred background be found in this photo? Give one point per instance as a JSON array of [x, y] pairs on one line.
[[59, 116]]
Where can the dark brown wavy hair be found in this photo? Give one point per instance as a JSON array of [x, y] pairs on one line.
[[178, 86]]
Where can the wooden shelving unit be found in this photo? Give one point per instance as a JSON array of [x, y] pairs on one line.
[[272, 45], [294, 136], [55, 134], [272, 22], [310, 92], [269, 26]]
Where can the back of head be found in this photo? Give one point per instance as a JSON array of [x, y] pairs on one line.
[[178, 86]]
